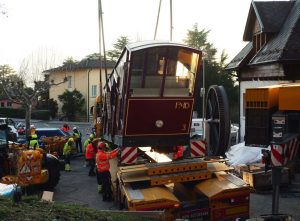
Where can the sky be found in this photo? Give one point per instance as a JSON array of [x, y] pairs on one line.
[[69, 28]]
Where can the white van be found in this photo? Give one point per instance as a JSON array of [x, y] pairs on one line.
[[197, 131], [197, 128]]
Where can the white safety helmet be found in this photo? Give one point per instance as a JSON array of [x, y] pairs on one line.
[[32, 126]]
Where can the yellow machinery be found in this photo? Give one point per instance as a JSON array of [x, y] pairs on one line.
[[24, 167], [272, 113], [189, 189], [97, 116], [273, 118]]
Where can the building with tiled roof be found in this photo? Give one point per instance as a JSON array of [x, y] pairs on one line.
[[83, 76], [272, 54]]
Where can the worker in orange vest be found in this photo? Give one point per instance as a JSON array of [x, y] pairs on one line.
[[90, 153], [103, 174], [178, 152]]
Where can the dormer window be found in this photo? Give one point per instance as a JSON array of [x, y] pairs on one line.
[[259, 40]]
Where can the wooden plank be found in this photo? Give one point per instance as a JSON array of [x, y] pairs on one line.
[[47, 196]]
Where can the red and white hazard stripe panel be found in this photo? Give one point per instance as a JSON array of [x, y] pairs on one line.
[[128, 155], [198, 148], [293, 148], [277, 154], [281, 154], [6, 179]]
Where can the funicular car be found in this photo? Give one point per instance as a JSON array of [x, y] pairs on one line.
[[149, 96]]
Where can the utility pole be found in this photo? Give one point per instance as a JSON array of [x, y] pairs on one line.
[[100, 49], [203, 97]]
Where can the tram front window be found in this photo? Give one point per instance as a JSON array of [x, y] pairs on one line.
[[180, 73], [163, 71]]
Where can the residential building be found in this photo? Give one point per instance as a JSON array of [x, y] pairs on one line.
[[5, 102], [83, 76], [272, 55]]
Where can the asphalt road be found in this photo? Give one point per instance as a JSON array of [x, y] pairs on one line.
[[76, 187], [84, 127]]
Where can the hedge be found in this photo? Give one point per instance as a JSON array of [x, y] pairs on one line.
[[12, 113], [20, 113]]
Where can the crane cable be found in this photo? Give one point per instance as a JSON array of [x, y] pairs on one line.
[[171, 20], [101, 34], [155, 32]]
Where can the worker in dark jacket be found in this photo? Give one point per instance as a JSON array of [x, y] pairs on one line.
[[87, 142], [103, 174], [77, 135]]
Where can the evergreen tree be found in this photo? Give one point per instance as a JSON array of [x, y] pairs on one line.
[[214, 71], [118, 48], [73, 103]]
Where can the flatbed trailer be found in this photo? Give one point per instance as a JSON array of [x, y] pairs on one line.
[[183, 189]]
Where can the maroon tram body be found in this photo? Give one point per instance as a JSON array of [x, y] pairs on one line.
[[150, 95]]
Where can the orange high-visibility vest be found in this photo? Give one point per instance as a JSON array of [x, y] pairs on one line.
[[89, 152], [102, 160]]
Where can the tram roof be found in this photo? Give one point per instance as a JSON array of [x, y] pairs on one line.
[[154, 43]]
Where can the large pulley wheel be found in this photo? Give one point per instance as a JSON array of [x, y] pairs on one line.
[[218, 121]]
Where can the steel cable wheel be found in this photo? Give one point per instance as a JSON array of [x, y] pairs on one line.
[[218, 120]]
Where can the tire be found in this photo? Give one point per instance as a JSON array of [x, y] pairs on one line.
[[52, 164]]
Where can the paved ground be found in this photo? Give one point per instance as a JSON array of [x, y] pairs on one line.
[[77, 187], [289, 202]]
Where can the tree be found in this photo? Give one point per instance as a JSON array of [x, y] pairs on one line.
[[69, 60], [94, 56], [5, 71], [25, 86], [214, 71], [118, 48], [73, 102], [198, 39], [44, 103]]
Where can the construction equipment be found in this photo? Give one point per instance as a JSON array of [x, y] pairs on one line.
[[273, 118], [24, 167], [146, 111]]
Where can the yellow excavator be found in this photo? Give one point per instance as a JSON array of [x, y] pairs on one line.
[[24, 167]]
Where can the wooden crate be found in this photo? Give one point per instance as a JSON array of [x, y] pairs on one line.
[[259, 179]]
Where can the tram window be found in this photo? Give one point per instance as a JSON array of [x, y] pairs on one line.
[[149, 66], [156, 60], [180, 74], [137, 62]]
